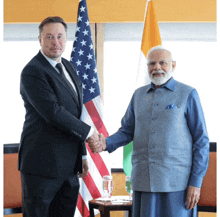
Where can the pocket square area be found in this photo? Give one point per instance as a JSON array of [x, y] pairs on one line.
[[171, 106]]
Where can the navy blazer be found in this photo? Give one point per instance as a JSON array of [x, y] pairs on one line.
[[53, 138]]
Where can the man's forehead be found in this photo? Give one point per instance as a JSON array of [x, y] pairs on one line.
[[160, 54], [53, 27]]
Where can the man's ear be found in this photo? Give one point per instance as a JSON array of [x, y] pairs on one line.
[[39, 39], [173, 65]]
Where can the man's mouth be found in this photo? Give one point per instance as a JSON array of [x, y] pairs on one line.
[[158, 74], [55, 49]]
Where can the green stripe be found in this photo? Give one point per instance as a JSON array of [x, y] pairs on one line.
[[127, 166]]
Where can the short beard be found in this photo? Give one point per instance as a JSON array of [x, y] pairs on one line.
[[55, 58], [161, 80]]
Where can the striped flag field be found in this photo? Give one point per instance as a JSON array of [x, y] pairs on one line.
[[83, 59]]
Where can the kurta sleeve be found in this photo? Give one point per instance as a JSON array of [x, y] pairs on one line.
[[196, 123]]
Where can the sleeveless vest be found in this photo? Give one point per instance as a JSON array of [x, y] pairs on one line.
[[162, 143]]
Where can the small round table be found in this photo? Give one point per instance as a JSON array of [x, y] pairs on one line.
[[106, 206]]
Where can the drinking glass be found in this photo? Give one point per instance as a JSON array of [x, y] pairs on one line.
[[129, 187], [108, 185]]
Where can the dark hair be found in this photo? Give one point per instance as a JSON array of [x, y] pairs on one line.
[[52, 20]]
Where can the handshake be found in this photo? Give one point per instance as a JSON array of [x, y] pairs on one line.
[[96, 143]]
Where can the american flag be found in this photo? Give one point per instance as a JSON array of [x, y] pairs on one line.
[[83, 59]]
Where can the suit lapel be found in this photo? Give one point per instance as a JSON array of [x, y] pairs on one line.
[[49, 68], [73, 74]]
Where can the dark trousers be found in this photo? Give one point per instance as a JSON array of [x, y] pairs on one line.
[[49, 197]]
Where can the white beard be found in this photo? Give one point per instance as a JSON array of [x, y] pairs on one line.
[[161, 80]]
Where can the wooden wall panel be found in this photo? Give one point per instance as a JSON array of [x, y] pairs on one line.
[[104, 11], [97, 31], [100, 53]]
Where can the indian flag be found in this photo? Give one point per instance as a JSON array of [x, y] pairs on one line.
[[151, 37]]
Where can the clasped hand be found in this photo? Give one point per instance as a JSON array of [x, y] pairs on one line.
[[96, 143]]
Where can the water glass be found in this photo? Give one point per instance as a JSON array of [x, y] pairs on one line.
[[108, 185]]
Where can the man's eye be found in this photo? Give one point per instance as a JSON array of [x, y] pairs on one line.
[[49, 37], [152, 63], [163, 63]]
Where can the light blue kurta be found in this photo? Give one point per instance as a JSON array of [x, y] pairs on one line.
[[170, 140]]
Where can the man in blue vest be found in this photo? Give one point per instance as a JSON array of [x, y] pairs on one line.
[[170, 155]]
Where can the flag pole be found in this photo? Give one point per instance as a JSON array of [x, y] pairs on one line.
[[150, 38]]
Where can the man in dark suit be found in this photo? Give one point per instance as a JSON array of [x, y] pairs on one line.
[[52, 149]]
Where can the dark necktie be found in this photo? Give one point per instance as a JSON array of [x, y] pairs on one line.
[[59, 67]]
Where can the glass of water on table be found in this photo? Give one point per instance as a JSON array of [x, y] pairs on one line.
[[129, 187], [108, 185]]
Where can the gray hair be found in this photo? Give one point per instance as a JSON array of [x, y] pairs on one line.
[[159, 47]]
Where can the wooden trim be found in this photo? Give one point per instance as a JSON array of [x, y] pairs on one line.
[[11, 148], [117, 170], [213, 147], [10, 211], [92, 27], [99, 38], [206, 208], [97, 30], [100, 11]]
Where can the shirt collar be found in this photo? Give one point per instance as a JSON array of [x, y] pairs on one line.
[[52, 62], [170, 85]]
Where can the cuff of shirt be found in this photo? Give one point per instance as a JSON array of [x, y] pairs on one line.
[[84, 157], [109, 147], [90, 132], [195, 181]]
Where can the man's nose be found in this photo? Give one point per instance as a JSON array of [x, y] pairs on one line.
[[157, 66], [55, 41]]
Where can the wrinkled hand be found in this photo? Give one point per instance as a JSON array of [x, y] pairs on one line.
[[95, 137], [99, 146], [85, 169], [193, 196], [102, 142]]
